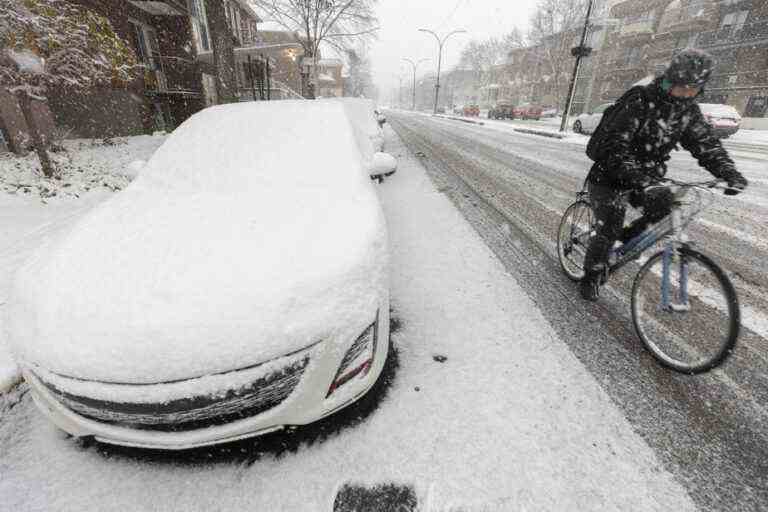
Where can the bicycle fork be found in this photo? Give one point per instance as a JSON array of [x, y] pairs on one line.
[[673, 259]]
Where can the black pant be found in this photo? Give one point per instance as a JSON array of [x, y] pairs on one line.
[[610, 207]]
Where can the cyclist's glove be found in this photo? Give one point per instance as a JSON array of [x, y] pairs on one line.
[[736, 184]]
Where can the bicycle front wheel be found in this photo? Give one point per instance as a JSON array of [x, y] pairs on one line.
[[691, 323], [573, 236]]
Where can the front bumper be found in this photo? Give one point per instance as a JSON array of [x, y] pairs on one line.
[[305, 403]]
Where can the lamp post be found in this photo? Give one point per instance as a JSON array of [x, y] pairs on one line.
[[414, 65], [440, 43]]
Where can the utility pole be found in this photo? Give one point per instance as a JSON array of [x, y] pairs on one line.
[[414, 65], [579, 52], [440, 43]]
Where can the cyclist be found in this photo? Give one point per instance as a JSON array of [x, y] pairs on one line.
[[632, 145]]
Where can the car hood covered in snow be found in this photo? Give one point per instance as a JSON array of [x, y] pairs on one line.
[[253, 231]]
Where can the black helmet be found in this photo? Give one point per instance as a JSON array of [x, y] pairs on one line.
[[690, 67]]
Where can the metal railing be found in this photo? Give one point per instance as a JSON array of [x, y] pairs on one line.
[[172, 75]]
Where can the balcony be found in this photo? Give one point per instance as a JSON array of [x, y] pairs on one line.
[[172, 75], [636, 33], [739, 81], [744, 34]]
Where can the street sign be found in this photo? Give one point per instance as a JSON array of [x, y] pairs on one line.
[[581, 51]]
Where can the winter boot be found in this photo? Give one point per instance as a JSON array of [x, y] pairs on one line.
[[591, 282]]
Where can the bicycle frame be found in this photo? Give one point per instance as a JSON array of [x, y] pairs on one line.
[[672, 227]]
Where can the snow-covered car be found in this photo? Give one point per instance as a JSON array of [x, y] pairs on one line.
[[369, 137], [527, 111], [724, 119], [238, 286], [586, 123]]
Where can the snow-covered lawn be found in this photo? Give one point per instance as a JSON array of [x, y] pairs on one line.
[[83, 165], [33, 213], [489, 409]]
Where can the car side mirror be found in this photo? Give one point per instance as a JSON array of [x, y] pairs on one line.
[[382, 165]]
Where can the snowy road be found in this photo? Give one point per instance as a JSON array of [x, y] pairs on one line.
[[711, 431]]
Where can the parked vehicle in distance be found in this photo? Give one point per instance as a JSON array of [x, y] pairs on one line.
[[527, 111], [550, 112], [471, 111], [724, 119], [586, 123], [502, 111], [441, 110], [252, 291]]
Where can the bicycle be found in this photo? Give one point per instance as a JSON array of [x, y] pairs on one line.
[[676, 292]]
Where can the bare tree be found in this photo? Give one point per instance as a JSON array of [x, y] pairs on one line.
[[53, 43], [483, 57], [337, 23], [360, 80], [555, 29]]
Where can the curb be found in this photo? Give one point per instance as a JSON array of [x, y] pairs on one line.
[[462, 119], [552, 135]]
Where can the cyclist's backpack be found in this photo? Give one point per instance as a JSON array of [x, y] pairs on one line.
[[600, 135]]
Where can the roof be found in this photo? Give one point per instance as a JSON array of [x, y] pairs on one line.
[[277, 37], [248, 8], [330, 62]]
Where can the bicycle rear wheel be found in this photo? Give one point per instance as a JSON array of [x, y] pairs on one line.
[[573, 235], [699, 327]]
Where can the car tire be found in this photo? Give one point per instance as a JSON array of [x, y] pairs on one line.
[[577, 127]]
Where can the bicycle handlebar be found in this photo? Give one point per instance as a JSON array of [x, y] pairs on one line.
[[716, 183]]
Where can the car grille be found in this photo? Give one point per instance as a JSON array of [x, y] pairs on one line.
[[191, 413]]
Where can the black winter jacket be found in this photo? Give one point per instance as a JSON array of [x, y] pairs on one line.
[[648, 127]]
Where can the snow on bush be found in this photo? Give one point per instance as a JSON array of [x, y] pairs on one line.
[[233, 246]]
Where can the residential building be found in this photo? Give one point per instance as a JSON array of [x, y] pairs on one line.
[[329, 81], [651, 32]]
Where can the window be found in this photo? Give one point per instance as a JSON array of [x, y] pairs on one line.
[[734, 21], [200, 25], [145, 41]]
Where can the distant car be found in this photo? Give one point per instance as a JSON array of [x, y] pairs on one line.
[[502, 111], [471, 111], [586, 123], [550, 112], [236, 287], [441, 110], [724, 119], [527, 111]]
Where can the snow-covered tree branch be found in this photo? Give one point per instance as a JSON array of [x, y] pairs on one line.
[[54, 43]]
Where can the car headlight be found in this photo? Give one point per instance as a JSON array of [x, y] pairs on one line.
[[358, 360]]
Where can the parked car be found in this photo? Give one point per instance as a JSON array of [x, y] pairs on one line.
[[586, 123], [471, 111], [527, 111], [236, 287], [724, 119], [502, 111], [441, 110], [550, 112]]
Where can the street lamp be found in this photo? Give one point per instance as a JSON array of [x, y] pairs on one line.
[[440, 43], [414, 65]]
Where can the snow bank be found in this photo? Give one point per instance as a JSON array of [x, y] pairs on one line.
[[236, 243]]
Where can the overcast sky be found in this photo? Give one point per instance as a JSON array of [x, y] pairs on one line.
[[399, 37]]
